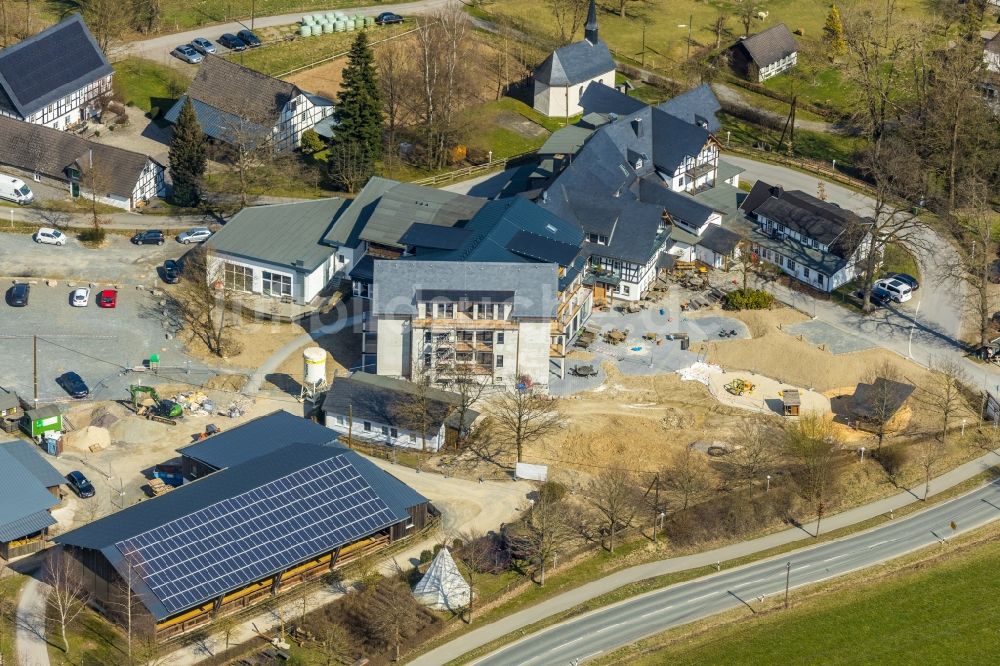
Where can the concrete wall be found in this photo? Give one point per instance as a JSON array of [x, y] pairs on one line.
[[393, 348], [532, 352]]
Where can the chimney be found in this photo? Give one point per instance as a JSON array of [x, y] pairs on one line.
[[637, 127]]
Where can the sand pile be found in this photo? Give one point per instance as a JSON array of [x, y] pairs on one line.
[[138, 431], [90, 438], [106, 416]]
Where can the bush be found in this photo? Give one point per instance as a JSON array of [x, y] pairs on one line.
[[457, 544], [552, 491], [892, 459], [426, 556], [749, 299], [438, 547], [312, 142], [95, 235]]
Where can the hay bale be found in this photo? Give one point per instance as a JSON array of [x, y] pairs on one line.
[[91, 438]]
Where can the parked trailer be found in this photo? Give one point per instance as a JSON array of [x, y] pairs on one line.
[[14, 189]]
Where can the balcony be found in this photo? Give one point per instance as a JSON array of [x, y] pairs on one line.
[[596, 274], [465, 324]]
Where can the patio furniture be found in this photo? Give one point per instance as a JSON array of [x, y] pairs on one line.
[[614, 336]]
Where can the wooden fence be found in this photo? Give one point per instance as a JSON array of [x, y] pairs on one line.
[[470, 171], [812, 166]]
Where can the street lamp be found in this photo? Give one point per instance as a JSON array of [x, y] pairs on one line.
[[768, 488]]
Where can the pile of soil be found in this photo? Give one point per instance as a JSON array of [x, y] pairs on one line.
[[226, 382], [91, 438]]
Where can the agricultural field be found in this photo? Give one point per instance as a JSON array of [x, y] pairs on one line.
[[926, 614]]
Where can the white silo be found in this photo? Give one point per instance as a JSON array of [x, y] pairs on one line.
[[314, 368]]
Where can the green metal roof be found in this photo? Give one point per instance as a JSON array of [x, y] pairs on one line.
[[727, 171], [281, 234], [565, 141]]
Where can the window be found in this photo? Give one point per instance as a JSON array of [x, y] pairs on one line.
[[449, 310], [488, 311], [342, 420], [341, 259], [805, 273], [427, 336], [427, 359], [393, 433], [277, 284], [499, 361], [500, 338], [791, 265], [385, 430], [368, 426], [238, 278], [625, 289]]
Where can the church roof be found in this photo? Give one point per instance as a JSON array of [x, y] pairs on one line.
[[575, 63]]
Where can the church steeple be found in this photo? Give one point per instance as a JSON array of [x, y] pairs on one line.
[[590, 28]]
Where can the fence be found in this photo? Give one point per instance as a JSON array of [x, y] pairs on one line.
[[812, 166], [469, 171]]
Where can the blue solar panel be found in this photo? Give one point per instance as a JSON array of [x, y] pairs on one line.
[[239, 540]]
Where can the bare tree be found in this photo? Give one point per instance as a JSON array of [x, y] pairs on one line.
[[476, 557], [687, 479], [883, 406], [333, 644], [414, 410], [754, 455], [931, 452], [68, 596], [108, 20], [719, 27], [977, 248], [545, 530], [395, 68], [351, 165], [250, 146], [568, 15], [123, 600], [226, 626], [813, 444], [203, 299], [521, 417], [469, 388], [615, 496], [746, 12], [943, 392]]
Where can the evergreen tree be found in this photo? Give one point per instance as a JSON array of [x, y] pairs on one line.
[[187, 157], [833, 33], [359, 104]]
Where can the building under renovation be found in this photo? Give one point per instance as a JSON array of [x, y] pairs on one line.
[[242, 534]]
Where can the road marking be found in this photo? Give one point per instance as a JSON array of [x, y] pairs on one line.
[[837, 557], [575, 640], [699, 598], [609, 628]]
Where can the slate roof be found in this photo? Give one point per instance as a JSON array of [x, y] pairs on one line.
[[216, 123], [719, 240], [387, 400], [8, 399], [259, 437], [244, 92], [575, 63], [23, 497], [30, 457], [48, 66], [103, 534], [280, 234], [831, 225], [532, 287], [769, 46], [435, 237], [679, 206], [364, 270], [603, 99], [385, 209], [49, 152], [695, 106]]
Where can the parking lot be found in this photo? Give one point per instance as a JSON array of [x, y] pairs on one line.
[[96, 343]]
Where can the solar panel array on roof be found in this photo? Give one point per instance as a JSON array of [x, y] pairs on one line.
[[242, 539], [41, 67]]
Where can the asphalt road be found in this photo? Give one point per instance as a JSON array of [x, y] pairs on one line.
[[159, 48], [612, 627]]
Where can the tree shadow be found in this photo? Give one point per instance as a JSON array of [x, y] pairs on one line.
[[284, 382]]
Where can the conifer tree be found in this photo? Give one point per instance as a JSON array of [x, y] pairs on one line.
[[187, 157], [359, 104], [833, 33]]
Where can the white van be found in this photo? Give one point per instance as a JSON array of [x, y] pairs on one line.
[[900, 291], [14, 189]]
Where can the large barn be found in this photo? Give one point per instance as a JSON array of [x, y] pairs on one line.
[[242, 534]]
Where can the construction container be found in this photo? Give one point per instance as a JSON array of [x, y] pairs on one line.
[[37, 422], [305, 31]]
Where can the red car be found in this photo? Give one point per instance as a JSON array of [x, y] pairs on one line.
[[107, 298]]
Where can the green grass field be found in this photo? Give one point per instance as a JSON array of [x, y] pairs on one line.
[[147, 84], [942, 614]]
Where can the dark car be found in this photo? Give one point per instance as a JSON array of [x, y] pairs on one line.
[[386, 18], [17, 295], [149, 237], [232, 42], [171, 271], [73, 384], [908, 280], [250, 39], [80, 484], [880, 297]]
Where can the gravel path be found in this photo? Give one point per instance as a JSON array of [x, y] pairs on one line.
[[32, 649]]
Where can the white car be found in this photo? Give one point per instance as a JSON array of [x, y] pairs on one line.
[[900, 291], [50, 236], [80, 298], [196, 235]]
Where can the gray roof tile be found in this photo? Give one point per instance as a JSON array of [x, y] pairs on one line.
[[769, 46], [575, 63]]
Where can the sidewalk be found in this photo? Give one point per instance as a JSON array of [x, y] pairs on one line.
[[567, 600]]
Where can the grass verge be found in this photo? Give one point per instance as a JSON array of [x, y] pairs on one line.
[[9, 589]]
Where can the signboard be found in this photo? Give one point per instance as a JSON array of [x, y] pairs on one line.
[[41, 423], [531, 472]]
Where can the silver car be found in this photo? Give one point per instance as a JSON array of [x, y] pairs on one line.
[[186, 53], [196, 235], [202, 45]]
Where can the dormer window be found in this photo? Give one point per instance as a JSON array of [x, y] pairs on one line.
[[638, 163]]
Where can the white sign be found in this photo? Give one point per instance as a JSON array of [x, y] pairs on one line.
[[531, 472]]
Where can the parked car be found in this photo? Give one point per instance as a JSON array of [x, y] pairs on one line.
[[149, 237], [73, 384], [905, 279], [17, 296], [251, 40], [202, 45], [880, 297], [232, 42], [899, 290], [14, 189], [107, 298], [171, 271], [386, 18], [80, 484], [196, 235], [188, 54], [50, 236], [80, 298]]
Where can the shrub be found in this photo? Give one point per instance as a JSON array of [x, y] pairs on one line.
[[312, 142], [892, 459], [93, 235], [457, 544], [749, 299], [552, 491], [438, 547], [426, 556]]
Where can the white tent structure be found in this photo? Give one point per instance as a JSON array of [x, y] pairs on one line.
[[442, 587]]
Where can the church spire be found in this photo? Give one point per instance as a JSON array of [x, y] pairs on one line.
[[590, 28]]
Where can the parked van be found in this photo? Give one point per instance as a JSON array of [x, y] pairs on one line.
[[901, 292], [14, 189]]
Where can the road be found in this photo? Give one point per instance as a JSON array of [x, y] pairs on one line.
[[29, 637], [159, 48], [612, 627]]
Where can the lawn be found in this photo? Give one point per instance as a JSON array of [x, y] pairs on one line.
[[821, 146], [9, 588], [937, 615], [492, 127], [149, 85]]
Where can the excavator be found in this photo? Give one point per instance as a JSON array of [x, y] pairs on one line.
[[152, 407]]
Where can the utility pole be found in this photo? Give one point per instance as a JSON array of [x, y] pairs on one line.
[[34, 355], [643, 44], [690, 20], [788, 577]]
